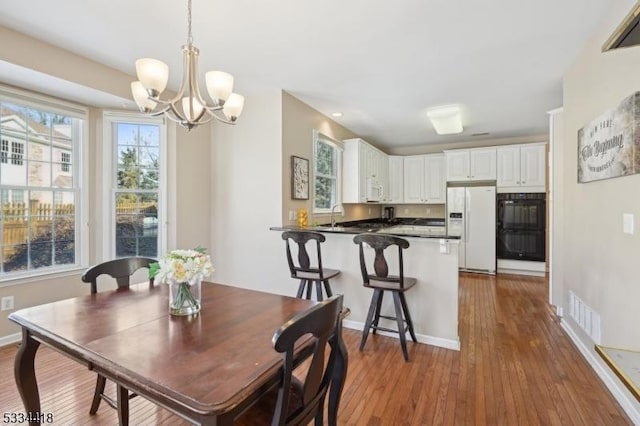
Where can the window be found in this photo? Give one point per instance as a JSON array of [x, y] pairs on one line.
[[136, 181], [41, 209], [65, 159], [327, 173], [17, 152], [4, 151]]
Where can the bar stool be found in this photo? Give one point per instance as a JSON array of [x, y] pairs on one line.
[[303, 270], [380, 282]]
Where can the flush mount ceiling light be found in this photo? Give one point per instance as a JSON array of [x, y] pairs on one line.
[[446, 120], [188, 107], [336, 114]]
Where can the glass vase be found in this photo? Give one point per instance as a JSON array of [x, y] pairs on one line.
[[185, 299]]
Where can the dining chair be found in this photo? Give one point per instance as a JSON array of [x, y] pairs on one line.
[[298, 401], [121, 270], [302, 269], [380, 281]]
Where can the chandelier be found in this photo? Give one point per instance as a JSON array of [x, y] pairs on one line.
[[188, 107]]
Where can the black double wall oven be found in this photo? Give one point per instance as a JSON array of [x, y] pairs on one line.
[[520, 226]]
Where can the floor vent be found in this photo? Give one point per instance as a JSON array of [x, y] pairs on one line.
[[587, 318]]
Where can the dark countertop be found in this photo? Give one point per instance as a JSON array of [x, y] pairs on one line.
[[402, 227]]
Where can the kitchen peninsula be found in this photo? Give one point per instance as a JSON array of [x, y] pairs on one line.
[[432, 258]]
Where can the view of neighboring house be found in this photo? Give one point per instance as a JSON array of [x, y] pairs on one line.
[[35, 157]]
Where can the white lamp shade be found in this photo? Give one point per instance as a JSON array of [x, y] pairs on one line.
[[197, 108], [233, 107], [141, 97], [219, 85], [153, 75], [446, 120]]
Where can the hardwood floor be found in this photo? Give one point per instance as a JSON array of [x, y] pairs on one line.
[[516, 367]]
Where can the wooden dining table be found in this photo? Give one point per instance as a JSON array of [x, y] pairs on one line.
[[207, 368]]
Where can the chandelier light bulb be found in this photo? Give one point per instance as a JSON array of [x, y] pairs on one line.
[[187, 103], [141, 96], [219, 86], [153, 75], [233, 107]]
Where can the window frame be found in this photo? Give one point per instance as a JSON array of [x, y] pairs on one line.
[[110, 172], [339, 148], [81, 182]]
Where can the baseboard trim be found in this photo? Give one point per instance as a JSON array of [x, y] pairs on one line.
[[11, 338], [607, 376], [422, 338]]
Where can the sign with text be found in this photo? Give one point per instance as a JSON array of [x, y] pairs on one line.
[[609, 146]]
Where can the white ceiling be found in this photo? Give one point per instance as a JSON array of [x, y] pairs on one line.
[[381, 63]]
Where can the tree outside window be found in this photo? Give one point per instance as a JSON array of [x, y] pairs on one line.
[[327, 163], [137, 189]]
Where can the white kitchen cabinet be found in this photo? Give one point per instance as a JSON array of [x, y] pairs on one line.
[[521, 168], [362, 161], [471, 165], [424, 179], [396, 179], [435, 191]]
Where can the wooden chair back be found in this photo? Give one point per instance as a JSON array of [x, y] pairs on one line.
[[322, 322], [303, 263], [379, 244], [120, 269]]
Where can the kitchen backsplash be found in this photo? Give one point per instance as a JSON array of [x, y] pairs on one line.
[[420, 210], [374, 211]]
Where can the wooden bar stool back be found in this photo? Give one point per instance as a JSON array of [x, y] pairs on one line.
[[301, 268], [380, 281]]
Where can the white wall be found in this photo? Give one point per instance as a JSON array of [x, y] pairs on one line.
[[246, 164], [600, 262]]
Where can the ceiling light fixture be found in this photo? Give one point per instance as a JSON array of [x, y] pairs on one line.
[[188, 107], [446, 120], [336, 114]]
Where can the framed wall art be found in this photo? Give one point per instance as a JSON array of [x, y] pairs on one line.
[[299, 178], [609, 146]]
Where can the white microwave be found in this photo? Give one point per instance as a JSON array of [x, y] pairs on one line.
[[374, 191]]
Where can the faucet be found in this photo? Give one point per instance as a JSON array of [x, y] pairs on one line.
[[333, 220]]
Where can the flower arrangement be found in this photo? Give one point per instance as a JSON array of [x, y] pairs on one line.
[[183, 270]]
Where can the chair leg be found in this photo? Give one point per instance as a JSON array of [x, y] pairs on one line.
[[308, 290], [367, 324], [300, 289], [95, 404], [407, 316], [123, 406], [401, 330], [327, 288], [376, 318], [318, 290]]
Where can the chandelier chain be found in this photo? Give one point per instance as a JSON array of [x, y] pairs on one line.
[[189, 36]]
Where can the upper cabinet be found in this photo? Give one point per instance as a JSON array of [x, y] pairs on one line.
[[521, 168], [362, 162], [424, 179], [471, 165], [396, 179]]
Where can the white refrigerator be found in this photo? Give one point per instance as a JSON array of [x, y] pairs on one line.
[[471, 215]]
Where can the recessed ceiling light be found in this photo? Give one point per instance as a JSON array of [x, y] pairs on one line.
[[446, 119], [336, 114]]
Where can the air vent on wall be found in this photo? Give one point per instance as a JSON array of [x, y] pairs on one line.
[[628, 32]]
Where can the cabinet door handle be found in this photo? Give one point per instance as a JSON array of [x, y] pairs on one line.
[[523, 182], [518, 182]]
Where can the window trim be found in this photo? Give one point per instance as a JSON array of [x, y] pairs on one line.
[[339, 147], [81, 176], [109, 154]]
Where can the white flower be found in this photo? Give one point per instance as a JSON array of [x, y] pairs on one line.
[[188, 266]]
